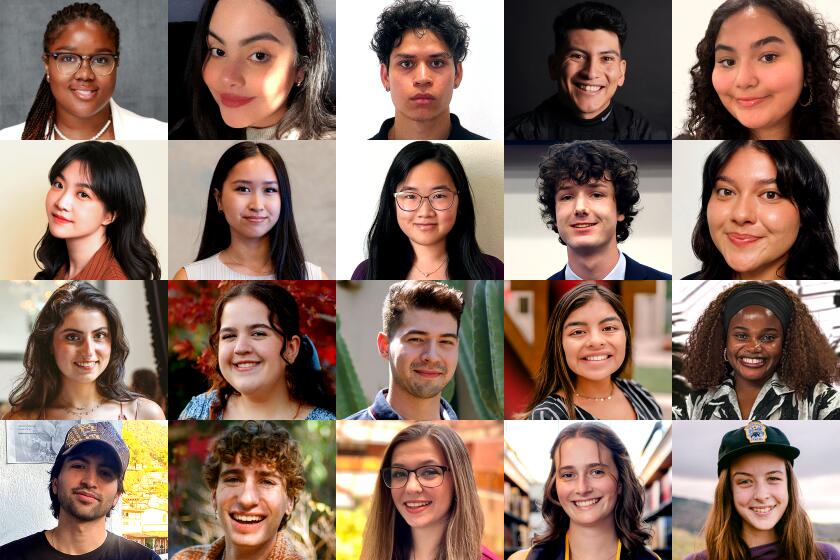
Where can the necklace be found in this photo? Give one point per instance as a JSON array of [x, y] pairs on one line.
[[297, 411], [607, 398], [617, 550], [427, 274], [265, 265], [80, 411], [63, 137]]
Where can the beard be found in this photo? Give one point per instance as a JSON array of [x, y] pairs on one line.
[[84, 512], [420, 388]]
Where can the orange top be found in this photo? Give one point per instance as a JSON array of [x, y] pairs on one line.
[[102, 266]]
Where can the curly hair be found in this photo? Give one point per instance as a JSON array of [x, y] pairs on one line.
[[800, 179], [807, 357], [817, 41], [417, 15], [588, 15], [582, 162], [258, 443]]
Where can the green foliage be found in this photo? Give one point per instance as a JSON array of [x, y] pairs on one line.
[[349, 396]]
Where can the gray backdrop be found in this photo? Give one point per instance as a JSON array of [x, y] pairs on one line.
[[142, 81]]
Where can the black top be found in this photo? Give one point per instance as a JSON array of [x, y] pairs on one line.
[[456, 131], [551, 120], [36, 547]]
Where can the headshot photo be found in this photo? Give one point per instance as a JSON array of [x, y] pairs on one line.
[[421, 70], [761, 210], [421, 210], [252, 350], [420, 350], [232, 217], [72, 350], [451, 508], [584, 70], [599, 488], [256, 487], [577, 211], [731, 82], [754, 490], [63, 60], [756, 350]]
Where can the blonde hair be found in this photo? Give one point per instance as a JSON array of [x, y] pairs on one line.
[[388, 537]]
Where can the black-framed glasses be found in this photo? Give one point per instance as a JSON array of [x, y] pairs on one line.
[[429, 476], [438, 200], [101, 64]]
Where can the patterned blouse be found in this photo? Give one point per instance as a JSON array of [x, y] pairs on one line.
[[775, 401], [199, 409], [284, 549], [643, 403]]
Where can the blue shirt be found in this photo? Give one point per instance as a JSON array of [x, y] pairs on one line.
[[381, 410], [199, 409]]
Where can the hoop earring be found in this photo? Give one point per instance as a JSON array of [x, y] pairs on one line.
[[725, 359], [810, 95]]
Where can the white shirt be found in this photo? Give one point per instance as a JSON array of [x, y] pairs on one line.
[[617, 273]]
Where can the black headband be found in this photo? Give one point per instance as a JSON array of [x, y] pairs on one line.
[[771, 296]]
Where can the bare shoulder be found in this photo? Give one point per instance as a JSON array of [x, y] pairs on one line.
[[20, 414], [181, 274], [520, 555], [149, 410]]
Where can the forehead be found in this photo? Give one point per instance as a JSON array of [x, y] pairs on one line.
[[757, 463], [255, 169], [76, 172], [251, 467], [84, 318], [240, 19], [593, 311], [428, 174], [593, 40], [244, 310], [420, 42], [749, 163], [435, 323], [419, 451], [581, 451], [604, 182], [83, 34], [750, 24], [93, 454], [755, 315]]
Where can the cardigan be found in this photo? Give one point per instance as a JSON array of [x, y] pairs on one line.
[[101, 266], [199, 409], [771, 552], [284, 549], [212, 268]]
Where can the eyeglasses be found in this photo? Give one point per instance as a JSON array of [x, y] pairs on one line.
[[429, 476], [69, 63], [439, 200]]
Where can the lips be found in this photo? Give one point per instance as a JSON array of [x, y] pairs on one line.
[[586, 503], [588, 88], [245, 366], [752, 361], [247, 519], [428, 373], [85, 94], [89, 365], [425, 226], [422, 98], [256, 219], [87, 497], [233, 101], [748, 102], [742, 239], [61, 220], [762, 510], [597, 358], [416, 506], [583, 226]]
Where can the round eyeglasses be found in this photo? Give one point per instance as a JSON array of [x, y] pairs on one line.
[[69, 63], [438, 200], [429, 476]]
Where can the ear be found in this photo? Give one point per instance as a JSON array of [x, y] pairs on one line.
[[300, 75], [46, 60], [620, 218], [54, 485], [623, 67], [218, 196], [383, 345], [109, 218], [459, 73], [383, 75], [290, 506], [116, 499], [292, 348]]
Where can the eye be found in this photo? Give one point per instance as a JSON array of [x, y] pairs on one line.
[[743, 482], [231, 479], [57, 185], [242, 188], [100, 335], [216, 52], [398, 474], [610, 328], [564, 197], [769, 57], [726, 62], [447, 342], [67, 58], [597, 473], [83, 194], [99, 60], [271, 190], [258, 333], [575, 56], [723, 192], [768, 338], [772, 195], [268, 482], [576, 332], [565, 476], [608, 58], [260, 56], [415, 340], [740, 336], [228, 336], [72, 338], [406, 64], [410, 197], [438, 63], [598, 194]]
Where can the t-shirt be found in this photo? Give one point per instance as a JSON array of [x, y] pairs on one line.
[[36, 547], [771, 552]]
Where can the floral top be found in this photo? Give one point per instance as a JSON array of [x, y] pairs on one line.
[[199, 409]]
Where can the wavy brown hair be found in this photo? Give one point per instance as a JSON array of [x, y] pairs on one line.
[[807, 357], [724, 525], [631, 497], [554, 375]]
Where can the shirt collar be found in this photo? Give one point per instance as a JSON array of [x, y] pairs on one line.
[[617, 273], [381, 410]]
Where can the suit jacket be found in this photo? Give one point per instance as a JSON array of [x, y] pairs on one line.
[[633, 271]]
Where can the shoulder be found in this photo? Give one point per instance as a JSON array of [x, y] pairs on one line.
[[826, 401], [149, 410], [12, 132], [637, 271], [199, 407], [131, 550], [487, 554], [692, 276], [383, 130], [560, 275], [636, 125], [697, 556], [201, 270], [21, 414], [828, 551], [361, 271], [131, 126], [363, 414], [497, 265], [313, 271], [552, 408], [192, 553], [520, 555], [458, 132], [319, 413], [115, 272], [29, 544]]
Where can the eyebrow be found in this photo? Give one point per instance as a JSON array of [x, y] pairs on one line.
[[426, 333], [598, 184], [589, 466], [72, 330], [443, 54], [583, 323], [743, 328], [730, 180], [249, 327], [80, 185], [752, 475], [266, 36], [239, 470], [584, 51], [435, 188], [247, 182], [756, 44], [420, 464]]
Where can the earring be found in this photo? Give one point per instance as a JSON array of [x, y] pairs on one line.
[[725, 359], [48, 76], [298, 84], [387, 89], [810, 95]]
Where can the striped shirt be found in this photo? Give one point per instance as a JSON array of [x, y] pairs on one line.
[[775, 401], [643, 403]]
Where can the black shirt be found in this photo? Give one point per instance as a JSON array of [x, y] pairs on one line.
[[456, 131], [36, 547]]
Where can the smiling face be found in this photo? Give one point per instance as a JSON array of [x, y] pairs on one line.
[[82, 94], [586, 482], [421, 75], [81, 345], [427, 226], [754, 342], [250, 350], [423, 507], [751, 224], [758, 72], [589, 70], [594, 340], [586, 215], [250, 198], [73, 209], [760, 494], [87, 486], [250, 67], [251, 501]]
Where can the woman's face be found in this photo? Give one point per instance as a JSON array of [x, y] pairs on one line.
[[594, 340], [251, 501], [81, 345], [760, 494], [754, 342], [73, 210], [250, 198], [250, 67], [82, 94], [758, 72], [751, 223], [586, 482], [423, 507], [425, 225], [249, 349]]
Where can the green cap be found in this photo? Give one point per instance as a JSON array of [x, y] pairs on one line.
[[755, 437]]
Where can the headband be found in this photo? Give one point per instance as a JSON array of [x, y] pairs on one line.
[[770, 296]]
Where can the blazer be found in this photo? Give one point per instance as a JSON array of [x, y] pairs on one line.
[[634, 271]]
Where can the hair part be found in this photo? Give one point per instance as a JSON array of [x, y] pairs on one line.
[[427, 295], [591, 16]]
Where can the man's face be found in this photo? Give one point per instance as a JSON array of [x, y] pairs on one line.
[[88, 484], [588, 70], [586, 215], [422, 353], [421, 75]]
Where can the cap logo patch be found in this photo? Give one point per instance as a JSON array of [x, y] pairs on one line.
[[756, 432]]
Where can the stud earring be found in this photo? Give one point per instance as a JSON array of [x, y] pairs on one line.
[[48, 76], [387, 89]]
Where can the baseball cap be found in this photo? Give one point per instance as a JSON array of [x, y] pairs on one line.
[[753, 438], [101, 432]]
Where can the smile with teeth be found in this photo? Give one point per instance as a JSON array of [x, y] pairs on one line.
[[589, 88], [245, 365], [412, 506], [763, 510], [86, 365], [586, 503], [752, 362], [582, 226], [242, 518], [598, 358]]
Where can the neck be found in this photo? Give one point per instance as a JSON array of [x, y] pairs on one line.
[[406, 129], [81, 249], [593, 542], [775, 271], [593, 387], [81, 128], [426, 541], [77, 395], [779, 131], [428, 258], [75, 536], [249, 251], [747, 391], [757, 537], [410, 407], [267, 403], [594, 265], [259, 552]]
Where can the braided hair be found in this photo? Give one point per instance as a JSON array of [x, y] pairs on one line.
[[42, 114]]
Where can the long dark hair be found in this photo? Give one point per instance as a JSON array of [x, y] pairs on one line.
[[285, 250], [800, 179], [310, 109], [41, 382], [116, 182], [304, 382], [631, 498], [389, 250], [41, 116], [817, 41]]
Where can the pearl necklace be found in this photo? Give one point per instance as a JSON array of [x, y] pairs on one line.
[[63, 137], [607, 398]]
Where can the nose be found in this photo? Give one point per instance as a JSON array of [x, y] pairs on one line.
[[85, 72], [89, 347], [422, 75], [231, 73], [581, 207], [762, 490], [744, 210], [582, 485], [249, 496], [596, 338], [413, 484], [591, 67], [746, 76], [242, 346], [431, 351], [256, 203], [64, 200], [425, 208]]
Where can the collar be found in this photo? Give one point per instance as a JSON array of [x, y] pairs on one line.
[[617, 273], [597, 120], [456, 131], [381, 410], [726, 391]]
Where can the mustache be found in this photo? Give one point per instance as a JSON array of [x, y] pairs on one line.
[[88, 491]]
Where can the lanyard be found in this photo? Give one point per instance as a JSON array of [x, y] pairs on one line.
[[617, 550]]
